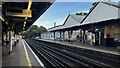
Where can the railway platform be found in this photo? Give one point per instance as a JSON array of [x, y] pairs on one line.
[[22, 56], [110, 50]]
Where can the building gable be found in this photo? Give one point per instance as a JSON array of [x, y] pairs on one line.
[[73, 20], [101, 12]]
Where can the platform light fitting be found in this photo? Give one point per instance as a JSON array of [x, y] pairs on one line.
[[96, 29], [25, 18], [1, 18], [29, 6], [6, 23], [24, 24]]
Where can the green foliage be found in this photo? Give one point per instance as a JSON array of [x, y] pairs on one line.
[[93, 6], [94, 3], [41, 29], [81, 13], [34, 31]]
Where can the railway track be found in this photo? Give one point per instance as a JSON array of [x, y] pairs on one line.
[[61, 56]]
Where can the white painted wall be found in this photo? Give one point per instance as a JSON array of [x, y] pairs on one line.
[[75, 33], [71, 22], [57, 35], [89, 36], [66, 35]]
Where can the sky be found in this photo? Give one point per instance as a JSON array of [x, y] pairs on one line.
[[85, 0], [59, 11]]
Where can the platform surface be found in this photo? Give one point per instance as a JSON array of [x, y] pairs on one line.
[[21, 56], [0, 56]]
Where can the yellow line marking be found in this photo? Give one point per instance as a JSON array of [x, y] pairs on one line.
[[39, 61], [27, 57]]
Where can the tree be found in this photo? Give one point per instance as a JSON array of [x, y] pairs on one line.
[[41, 29], [81, 13], [34, 31], [34, 27], [94, 3], [93, 6]]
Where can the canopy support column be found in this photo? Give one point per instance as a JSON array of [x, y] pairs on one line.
[[63, 35], [83, 38], [10, 41], [54, 35], [60, 35]]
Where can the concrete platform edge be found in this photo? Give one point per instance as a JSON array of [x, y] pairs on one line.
[[39, 61]]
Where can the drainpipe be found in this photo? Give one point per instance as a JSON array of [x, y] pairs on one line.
[[54, 35], [60, 35], [99, 38]]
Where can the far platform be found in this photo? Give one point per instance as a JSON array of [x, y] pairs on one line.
[[111, 50]]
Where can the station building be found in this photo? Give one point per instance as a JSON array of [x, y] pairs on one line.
[[100, 25], [62, 31]]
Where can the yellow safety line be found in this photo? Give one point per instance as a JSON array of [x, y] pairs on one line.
[[27, 57]]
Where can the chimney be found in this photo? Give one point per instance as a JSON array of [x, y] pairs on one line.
[[54, 24]]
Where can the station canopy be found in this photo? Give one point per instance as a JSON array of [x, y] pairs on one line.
[[19, 16]]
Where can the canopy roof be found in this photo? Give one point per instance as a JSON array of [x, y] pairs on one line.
[[19, 16], [102, 11]]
